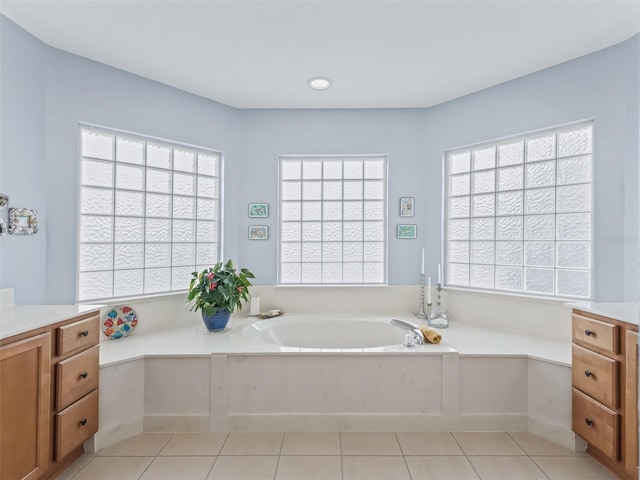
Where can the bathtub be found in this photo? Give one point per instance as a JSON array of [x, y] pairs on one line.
[[330, 372], [316, 331]]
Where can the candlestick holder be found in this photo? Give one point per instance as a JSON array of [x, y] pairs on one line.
[[438, 317], [421, 313]]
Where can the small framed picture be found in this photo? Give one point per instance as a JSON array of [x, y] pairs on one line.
[[406, 231], [258, 210], [406, 206], [258, 232], [23, 221]]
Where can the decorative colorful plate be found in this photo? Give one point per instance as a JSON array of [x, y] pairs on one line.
[[119, 322]]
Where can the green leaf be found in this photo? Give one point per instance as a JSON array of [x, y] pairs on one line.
[[229, 294]]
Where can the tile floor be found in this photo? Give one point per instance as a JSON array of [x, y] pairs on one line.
[[335, 456]]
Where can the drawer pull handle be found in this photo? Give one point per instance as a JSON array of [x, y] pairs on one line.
[[588, 373], [84, 333], [84, 374], [588, 421], [588, 332], [83, 422]]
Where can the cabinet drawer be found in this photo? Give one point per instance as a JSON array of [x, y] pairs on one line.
[[78, 335], [76, 424], [77, 376], [596, 375], [594, 333], [596, 424]]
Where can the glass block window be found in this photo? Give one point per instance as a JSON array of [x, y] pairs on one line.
[[332, 220], [148, 214], [518, 214]]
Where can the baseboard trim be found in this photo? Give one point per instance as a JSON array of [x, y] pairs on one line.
[[556, 433], [176, 423], [111, 436], [503, 422]]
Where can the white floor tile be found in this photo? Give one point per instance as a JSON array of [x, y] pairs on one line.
[[370, 444], [299, 467], [183, 468]]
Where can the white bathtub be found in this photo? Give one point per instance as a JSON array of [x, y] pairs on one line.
[[316, 331], [250, 379]]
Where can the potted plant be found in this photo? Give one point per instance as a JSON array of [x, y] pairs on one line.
[[217, 291]]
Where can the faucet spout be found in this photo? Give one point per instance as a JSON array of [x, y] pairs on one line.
[[419, 337]]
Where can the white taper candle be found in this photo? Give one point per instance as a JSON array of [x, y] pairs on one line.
[[422, 269], [439, 274]]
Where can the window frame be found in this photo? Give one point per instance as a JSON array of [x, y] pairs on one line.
[[502, 141], [162, 142], [385, 220]]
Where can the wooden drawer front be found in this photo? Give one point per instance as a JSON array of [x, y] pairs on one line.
[[596, 375], [78, 335], [596, 424], [593, 333], [77, 376], [76, 424]]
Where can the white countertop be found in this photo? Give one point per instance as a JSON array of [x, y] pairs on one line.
[[194, 340], [459, 339], [625, 312], [16, 319]]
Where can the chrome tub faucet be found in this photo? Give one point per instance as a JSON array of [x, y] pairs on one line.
[[414, 335]]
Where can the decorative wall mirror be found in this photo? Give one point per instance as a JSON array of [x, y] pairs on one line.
[[23, 221]]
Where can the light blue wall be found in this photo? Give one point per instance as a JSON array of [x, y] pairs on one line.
[[397, 133], [79, 90], [40, 167], [61, 90], [22, 157], [601, 86]]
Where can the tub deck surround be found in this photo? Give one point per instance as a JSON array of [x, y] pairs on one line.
[[459, 339], [187, 379], [195, 341]]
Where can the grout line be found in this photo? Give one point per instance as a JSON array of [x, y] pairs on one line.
[[165, 444], [539, 468], [458, 443], [156, 455], [226, 438], [516, 442], [341, 457], [153, 459], [211, 468], [473, 467], [275, 473], [465, 455], [218, 455], [404, 458], [83, 467], [528, 456]]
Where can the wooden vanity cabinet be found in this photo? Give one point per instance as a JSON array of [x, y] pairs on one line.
[[631, 403], [25, 379], [48, 397], [605, 390]]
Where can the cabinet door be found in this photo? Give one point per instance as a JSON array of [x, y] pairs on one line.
[[25, 403], [631, 403]]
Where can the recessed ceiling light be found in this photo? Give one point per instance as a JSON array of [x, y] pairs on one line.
[[319, 83]]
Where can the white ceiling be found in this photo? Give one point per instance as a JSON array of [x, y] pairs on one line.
[[260, 54]]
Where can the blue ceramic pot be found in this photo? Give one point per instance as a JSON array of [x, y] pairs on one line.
[[216, 322]]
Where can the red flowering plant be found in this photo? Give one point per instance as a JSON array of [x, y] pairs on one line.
[[219, 287]]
